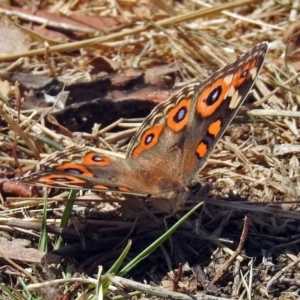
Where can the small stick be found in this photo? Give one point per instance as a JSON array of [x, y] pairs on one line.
[[239, 249], [178, 277], [16, 266], [156, 291]]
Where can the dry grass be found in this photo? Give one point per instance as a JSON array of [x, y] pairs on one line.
[[255, 166]]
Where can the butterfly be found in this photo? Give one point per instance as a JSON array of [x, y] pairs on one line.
[[171, 146]]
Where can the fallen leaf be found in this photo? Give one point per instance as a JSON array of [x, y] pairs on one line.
[[12, 40], [18, 250]]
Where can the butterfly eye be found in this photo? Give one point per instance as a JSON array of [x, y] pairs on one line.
[[149, 138], [214, 95], [97, 158], [73, 171], [180, 114], [245, 73], [53, 179], [92, 159]]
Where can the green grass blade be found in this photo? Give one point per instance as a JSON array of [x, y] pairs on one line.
[[157, 243], [114, 268], [11, 293], [49, 142], [66, 215], [43, 245]]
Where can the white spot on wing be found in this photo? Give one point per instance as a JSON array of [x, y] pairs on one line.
[[231, 91], [253, 73], [235, 100], [228, 79]]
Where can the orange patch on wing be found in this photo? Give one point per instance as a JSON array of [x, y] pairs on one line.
[[153, 135], [57, 179], [123, 189], [81, 169], [201, 149], [237, 79], [203, 108], [215, 127], [183, 105], [94, 159], [100, 187]]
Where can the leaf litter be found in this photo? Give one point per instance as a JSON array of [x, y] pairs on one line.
[[253, 172]]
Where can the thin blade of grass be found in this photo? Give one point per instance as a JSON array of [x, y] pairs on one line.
[[12, 294], [66, 215], [49, 142], [157, 243], [43, 245]]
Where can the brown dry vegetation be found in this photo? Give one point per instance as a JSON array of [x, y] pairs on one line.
[[253, 172]]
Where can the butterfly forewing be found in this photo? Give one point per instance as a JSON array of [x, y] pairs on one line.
[[215, 103]]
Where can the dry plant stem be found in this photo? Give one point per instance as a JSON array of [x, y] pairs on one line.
[[192, 46], [119, 135], [37, 286], [245, 284], [9, 270], [256, 208], [126, 238], [178, 277], [239, 249], [216, 242], [14, 65], [264, 99], [138, 29], [16, 266], [164, 7], [18, 99], [243, 18], [33, 35], [155, 291], [110, 127], [37, 227], [36, 126], [46, 22], [274, 113], [278, 274], [181, 47], [294, 12], [14, 126], [35, 201], [15, 144]]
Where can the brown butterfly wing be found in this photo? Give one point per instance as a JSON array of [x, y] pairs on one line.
[[214, 105], [180, 133], [155, 144], [85, 169]]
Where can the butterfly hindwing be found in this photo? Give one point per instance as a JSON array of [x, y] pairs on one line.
[[85, 169]]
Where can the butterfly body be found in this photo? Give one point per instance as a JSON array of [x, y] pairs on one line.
[[171, 146]]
